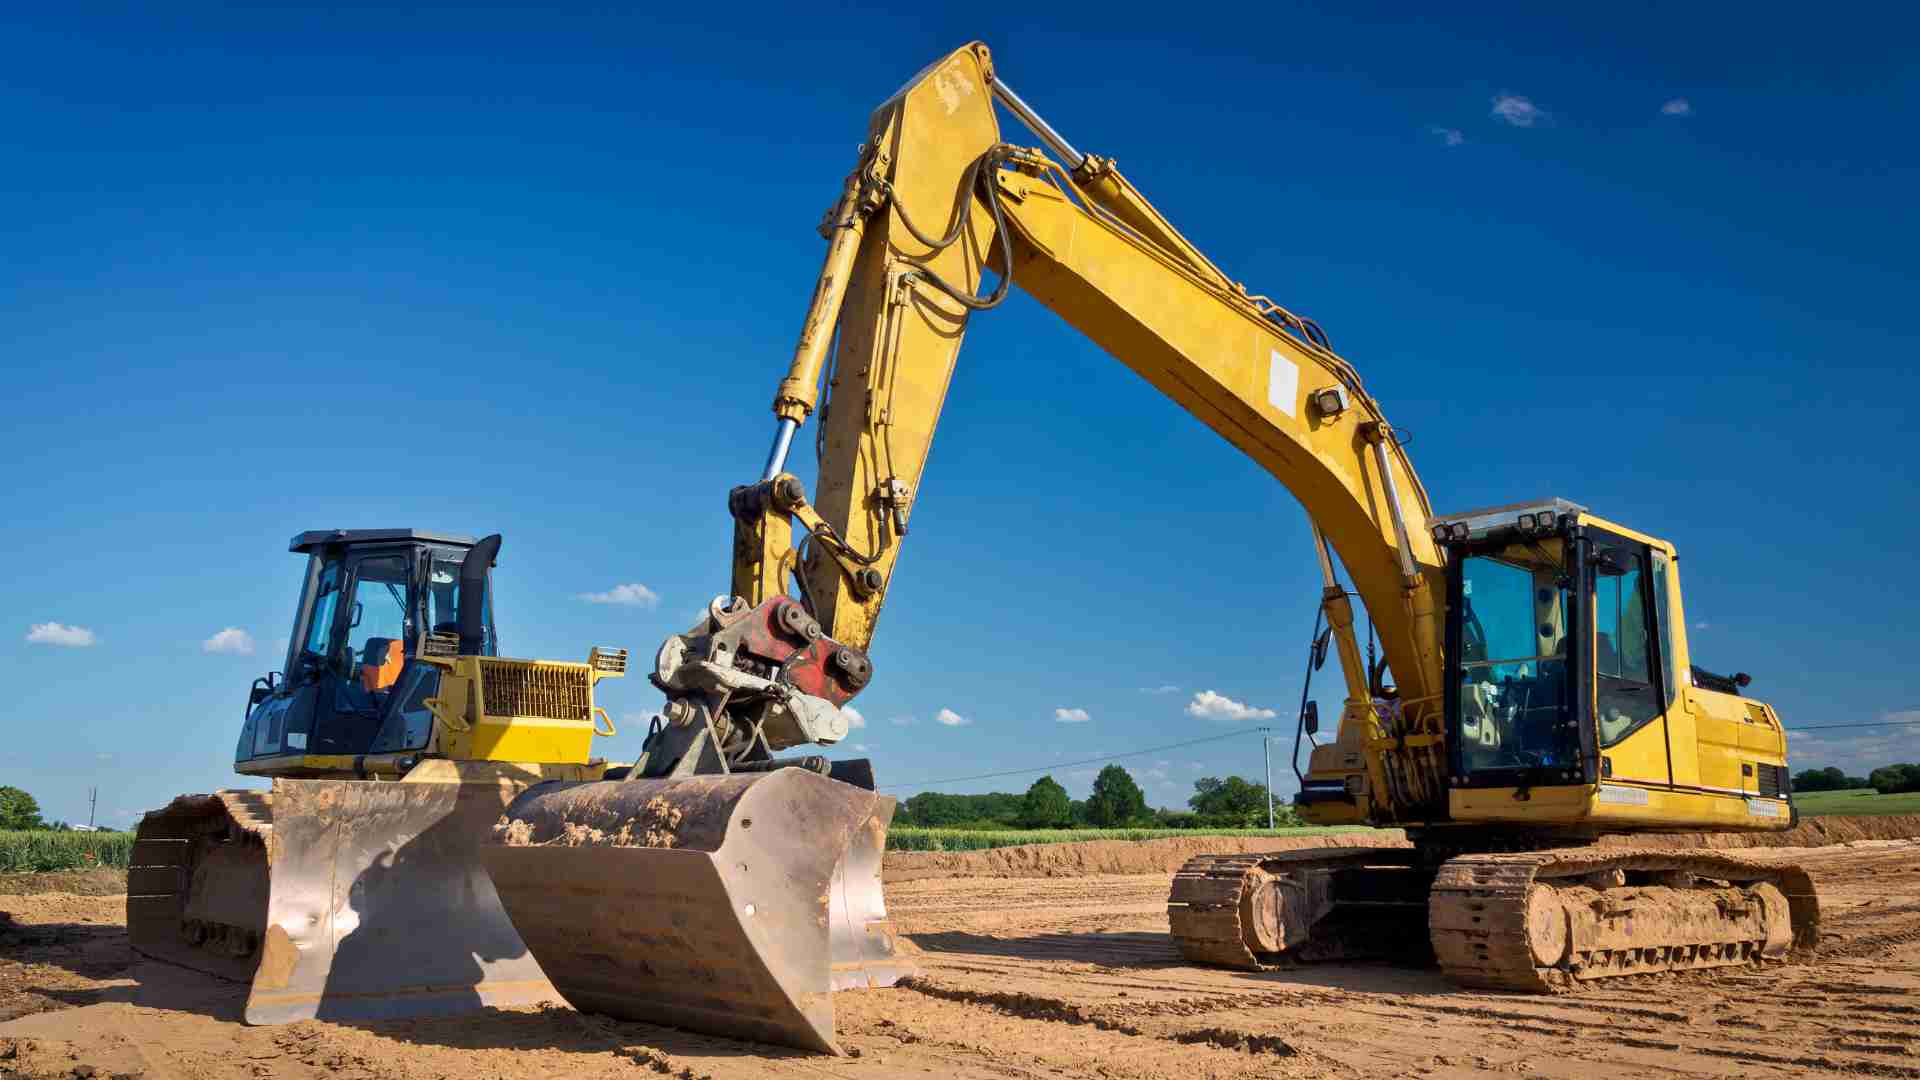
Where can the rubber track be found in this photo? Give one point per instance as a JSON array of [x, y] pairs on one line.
[[1203, 908], [1477, 912]]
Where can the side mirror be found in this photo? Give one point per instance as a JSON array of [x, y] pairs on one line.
[[358, 610], [1310, 718], [1320, 648]]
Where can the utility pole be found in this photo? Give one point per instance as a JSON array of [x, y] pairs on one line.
[[1265, 742], [93, 799]]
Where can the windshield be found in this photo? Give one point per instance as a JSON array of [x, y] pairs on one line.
[[1514, 693]]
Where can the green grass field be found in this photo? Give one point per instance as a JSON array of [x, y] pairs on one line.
[[35, 852], [1856, 803], [918, 838]]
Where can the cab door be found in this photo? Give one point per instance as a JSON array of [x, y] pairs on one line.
[[366, 653], [1628, 702]]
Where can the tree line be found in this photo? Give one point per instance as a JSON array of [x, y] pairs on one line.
[[1887, 779], [1115, 801]]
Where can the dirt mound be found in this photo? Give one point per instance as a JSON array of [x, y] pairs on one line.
[[1811, 832], [1109, 856]]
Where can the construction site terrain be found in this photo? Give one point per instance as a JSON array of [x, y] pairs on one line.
[[1063, 971]]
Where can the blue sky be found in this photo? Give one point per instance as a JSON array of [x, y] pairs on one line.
[[538, 273]]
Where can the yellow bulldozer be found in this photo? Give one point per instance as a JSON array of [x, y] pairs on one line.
[[394, 737], [1533, 693]]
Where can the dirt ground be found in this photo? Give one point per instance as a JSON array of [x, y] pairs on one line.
[[1033, 977]]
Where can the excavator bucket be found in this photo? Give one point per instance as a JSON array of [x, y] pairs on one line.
[[337, 899], [731, 905]]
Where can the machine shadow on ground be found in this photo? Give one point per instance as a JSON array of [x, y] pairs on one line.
[[1146, 950]]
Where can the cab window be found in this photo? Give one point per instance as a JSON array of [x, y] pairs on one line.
[[1622, 644], [1663, 616]]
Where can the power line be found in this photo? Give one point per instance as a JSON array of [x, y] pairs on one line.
[[1071, 764], [1863, 723]]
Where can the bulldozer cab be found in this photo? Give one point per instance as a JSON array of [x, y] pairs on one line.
[[373, 603]]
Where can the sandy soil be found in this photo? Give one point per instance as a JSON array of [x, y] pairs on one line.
[[1035, 977]]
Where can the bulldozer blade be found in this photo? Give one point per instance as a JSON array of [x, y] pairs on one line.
[[731, 905], [379, 907]]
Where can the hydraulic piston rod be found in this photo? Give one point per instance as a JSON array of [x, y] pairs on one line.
[[1054, 140]]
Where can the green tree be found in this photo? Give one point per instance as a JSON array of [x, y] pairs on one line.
[[1115, 800], [18, 810], [1045, 805], [1827, 779], [1895, 779], [1229, 803], [996, 809]]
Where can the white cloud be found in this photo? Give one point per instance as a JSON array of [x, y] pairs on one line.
[[855, 720], [902, 721], [1163, 688], [632, 594], [1448, 136], [1857, 751], [951, 718], [860, 747], [638, 719], [1071, 716], [53, 633], [1677, 107], [232, 641], [1703, 625], [1518, 111], [1207, 705]]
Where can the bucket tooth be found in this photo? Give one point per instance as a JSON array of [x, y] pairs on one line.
[[732, 905]]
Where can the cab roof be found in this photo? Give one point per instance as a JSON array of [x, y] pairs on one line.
[[315, 539]]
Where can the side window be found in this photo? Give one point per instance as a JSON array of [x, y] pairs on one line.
[[324, 606], [1622, 648], [1663, 615]]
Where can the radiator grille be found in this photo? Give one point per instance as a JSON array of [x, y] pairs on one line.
[[1772, 778], [549, 691]]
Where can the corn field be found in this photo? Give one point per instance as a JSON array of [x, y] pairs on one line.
[[919, 838], [34, 852]]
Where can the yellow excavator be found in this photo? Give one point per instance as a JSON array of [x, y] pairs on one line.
[[1534, 690]]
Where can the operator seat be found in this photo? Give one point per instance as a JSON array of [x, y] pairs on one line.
[[380, 664]]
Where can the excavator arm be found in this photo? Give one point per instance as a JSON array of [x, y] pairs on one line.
[[936, 201]]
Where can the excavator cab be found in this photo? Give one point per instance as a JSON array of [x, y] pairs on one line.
[[1570, 702], [374, 600]]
